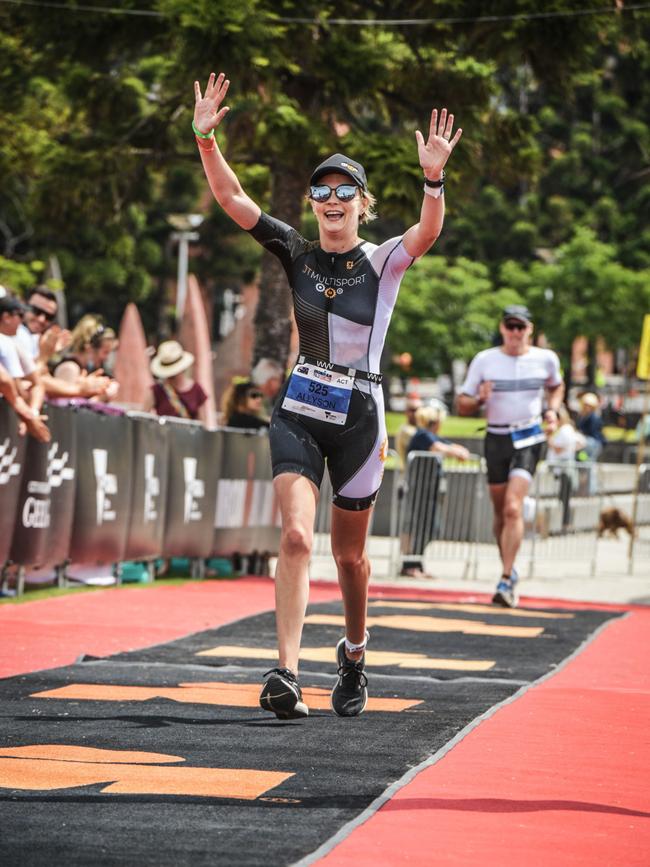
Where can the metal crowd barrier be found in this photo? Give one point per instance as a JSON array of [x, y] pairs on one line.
[[444, 515], [114, 486]]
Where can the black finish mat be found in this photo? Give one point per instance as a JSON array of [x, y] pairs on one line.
[[160, 756]]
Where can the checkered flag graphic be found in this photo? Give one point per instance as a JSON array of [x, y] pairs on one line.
[[57, 469], [8, 465]]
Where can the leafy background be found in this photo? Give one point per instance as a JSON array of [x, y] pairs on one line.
[[548, 193]]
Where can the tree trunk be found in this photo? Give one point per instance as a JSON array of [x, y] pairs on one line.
[[591, 362], [568, 378], [273, 313]]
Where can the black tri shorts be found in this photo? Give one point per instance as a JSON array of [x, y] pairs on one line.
[[504, 460], [354, 452]]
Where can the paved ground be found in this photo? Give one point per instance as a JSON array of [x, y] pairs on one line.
[[578, 571]]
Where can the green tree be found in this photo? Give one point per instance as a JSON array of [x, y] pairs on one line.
[[96, 151], [584, 290], [447, 309]]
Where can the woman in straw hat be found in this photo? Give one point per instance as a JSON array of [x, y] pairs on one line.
[[175, 393]]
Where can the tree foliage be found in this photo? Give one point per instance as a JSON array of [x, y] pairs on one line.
[[548, 190]]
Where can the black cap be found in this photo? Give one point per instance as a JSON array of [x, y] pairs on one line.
[[519, 312], [11, 304], [344, 165]]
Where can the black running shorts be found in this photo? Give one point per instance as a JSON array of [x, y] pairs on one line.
[[503, 458], [354, 452]]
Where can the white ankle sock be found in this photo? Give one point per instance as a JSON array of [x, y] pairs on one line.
[[355, 648]]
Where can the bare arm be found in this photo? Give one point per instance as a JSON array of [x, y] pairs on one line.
[[223, 181], [32, 421], [450, 450], [554, 398], [84, 386], [433, 155], [36, 392], [466, 404]]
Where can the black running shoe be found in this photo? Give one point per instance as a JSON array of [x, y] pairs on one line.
[[282, 695], [349, 696]]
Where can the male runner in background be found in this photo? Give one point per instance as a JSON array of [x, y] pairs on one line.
[[511, 381]]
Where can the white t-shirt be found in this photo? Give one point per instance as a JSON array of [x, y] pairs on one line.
[[12, 356], [518, 383], [28, 341], [564, 443]]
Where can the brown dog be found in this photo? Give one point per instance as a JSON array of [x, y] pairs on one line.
[[612, 520]]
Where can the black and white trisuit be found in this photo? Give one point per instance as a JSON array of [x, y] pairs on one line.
[[331, 408]]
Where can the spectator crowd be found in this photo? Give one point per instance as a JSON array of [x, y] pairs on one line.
[[40, 360]]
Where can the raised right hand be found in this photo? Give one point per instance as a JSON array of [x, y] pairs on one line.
[[207, 112]]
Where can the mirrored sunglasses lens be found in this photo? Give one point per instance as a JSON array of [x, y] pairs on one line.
[[320, 193], [346, 192]]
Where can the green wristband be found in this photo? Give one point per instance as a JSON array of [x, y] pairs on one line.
[[202, 134]]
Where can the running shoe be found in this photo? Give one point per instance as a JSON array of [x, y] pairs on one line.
[[506, 592], [350, 695], [282, 695]]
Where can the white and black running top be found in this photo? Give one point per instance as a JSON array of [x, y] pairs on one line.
[[518, 384], [343, 301], [343, 304]]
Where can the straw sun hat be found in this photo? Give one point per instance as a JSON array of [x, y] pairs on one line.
[[589, 399], [170, 359]]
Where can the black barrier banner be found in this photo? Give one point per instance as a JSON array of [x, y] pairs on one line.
[[247, 516], [150, 475], [103, 490], [12, 461], [45, 508], [194, 464]]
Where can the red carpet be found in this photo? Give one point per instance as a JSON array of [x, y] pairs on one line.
[[558, 777], [53, 632]]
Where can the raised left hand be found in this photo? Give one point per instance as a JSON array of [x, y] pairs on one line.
[[434, 153]]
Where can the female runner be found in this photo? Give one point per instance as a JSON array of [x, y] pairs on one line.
[[331, 407]]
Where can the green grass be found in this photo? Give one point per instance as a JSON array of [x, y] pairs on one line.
[[34, 592], [461, 427], [454, 426]]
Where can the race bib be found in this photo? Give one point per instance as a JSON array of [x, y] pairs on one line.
[[319, 393], [528, 436]]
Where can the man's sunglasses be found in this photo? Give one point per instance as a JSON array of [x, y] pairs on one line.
[[515, 325], [322, 192], [255, 394], [38, 311]]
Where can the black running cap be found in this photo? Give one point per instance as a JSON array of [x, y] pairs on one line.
[[344, 165], [517, 311]]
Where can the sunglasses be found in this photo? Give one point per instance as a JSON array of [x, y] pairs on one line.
[[322, 192], [515, 325], [38, 311], [255, 394]]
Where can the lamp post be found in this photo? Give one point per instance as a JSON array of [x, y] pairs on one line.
[[185, 225]]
